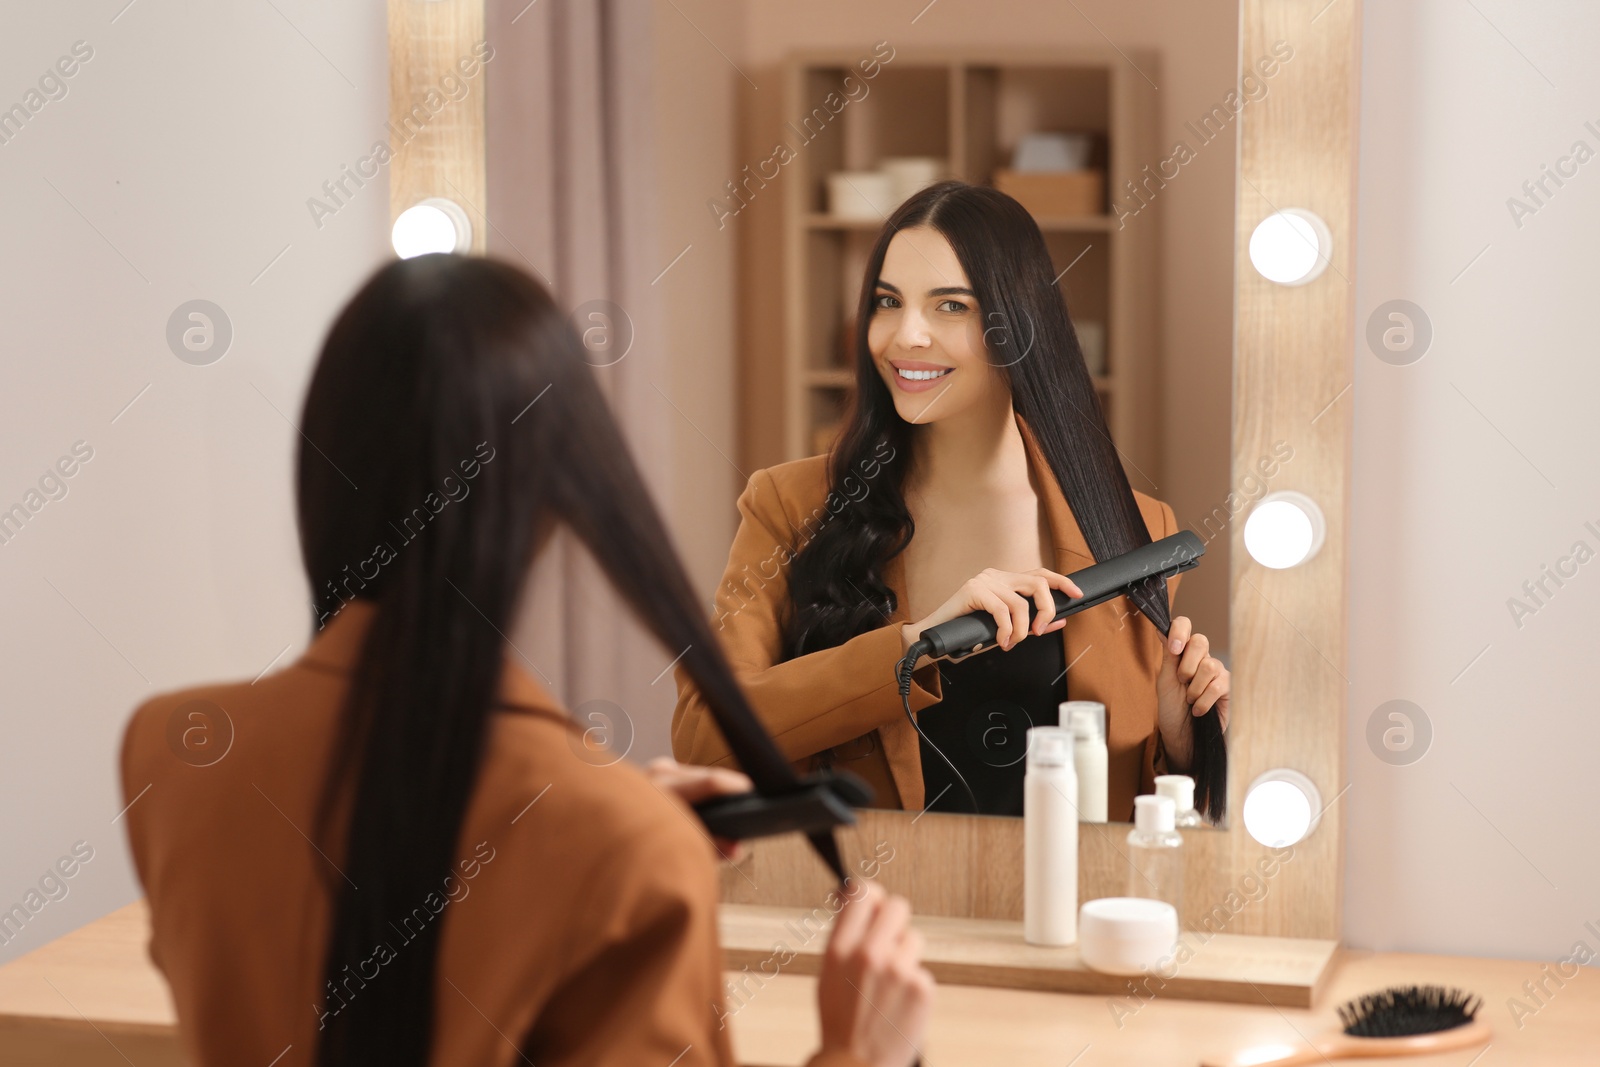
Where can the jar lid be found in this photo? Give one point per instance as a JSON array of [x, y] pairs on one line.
[[1128, 918]]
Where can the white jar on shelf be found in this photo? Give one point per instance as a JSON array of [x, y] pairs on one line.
[[860, 194], [909, 175]]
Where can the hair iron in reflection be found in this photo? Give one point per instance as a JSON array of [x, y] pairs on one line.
[[977, 632], [968, 635], [822, 801]]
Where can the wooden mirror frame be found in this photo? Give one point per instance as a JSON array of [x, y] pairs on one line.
[[1292, 382], [1293, 366], [443, 154]]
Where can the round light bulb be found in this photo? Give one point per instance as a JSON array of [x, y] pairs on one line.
[[1291, 247], [1281, 808], [1284, 530], [432, 225]]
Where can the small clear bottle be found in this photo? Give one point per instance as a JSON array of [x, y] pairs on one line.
[[1180, 787], [1155, 852]]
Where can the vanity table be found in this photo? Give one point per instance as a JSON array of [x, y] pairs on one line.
[[93, 999]]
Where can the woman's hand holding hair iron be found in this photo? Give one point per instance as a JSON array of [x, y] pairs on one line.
[[1004, 594], [691, 784]]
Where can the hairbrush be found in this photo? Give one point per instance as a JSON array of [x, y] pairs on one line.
[[1401, 1021]]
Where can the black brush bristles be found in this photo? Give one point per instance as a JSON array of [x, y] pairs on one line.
[[1407, 1010]]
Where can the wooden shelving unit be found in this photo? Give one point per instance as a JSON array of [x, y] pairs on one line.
[[969, 109]]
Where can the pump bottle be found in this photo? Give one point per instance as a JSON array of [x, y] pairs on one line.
[[1089, 757], [1050, 839]]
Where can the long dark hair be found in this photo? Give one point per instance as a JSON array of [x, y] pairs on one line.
[[836, 582], [442, 372]]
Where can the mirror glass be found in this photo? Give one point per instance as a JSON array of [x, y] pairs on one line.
[[783, 137]]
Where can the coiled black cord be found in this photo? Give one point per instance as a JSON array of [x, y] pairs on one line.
[[903, 674]]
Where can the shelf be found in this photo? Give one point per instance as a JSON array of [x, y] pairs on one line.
[[1049, 223], [969, 109], [1077, 223], [845, 378], [1284, 971], [819, 220], [832, 378]]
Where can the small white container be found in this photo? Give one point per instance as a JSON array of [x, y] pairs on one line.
[[1092, 342], [1126, 935], [1052, 152], [909, 175], [1180, 787], [860, 194]]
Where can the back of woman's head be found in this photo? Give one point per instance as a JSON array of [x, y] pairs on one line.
[[411, 405], [452, 421]]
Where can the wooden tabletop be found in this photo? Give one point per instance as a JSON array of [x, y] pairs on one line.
[[93, 998], [1017, 1028]]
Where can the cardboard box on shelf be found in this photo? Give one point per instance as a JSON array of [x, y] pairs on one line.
[[1055, 193]]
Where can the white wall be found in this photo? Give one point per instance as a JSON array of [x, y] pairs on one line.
[[181, 157], [1474, 467], [696, 108]]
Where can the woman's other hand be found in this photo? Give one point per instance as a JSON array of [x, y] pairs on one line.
[[1005, 595], [874, 995], [694, 784], [1190, 683]]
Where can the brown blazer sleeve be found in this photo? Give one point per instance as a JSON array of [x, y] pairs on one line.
[[809, 703], [647, 970], [1155, 752], [647, 984]]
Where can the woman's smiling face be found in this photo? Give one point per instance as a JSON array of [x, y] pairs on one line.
[[926, 332]]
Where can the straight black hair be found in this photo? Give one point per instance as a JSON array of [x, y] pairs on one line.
[[836, 586], [450, 376]]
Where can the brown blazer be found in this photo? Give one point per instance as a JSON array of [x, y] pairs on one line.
[[844, 700], [580, 928]]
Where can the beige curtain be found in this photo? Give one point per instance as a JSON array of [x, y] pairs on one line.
[[571, 196]]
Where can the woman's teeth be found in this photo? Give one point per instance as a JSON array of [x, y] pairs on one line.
[[922, 375]]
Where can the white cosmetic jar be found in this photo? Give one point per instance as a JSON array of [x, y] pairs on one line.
[[1126, 935], [860, 194]]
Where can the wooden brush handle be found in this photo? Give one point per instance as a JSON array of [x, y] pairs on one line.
[[1341, 1046]]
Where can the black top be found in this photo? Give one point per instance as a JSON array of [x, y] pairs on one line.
[[990, 701]]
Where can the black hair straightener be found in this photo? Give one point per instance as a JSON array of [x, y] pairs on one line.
[[977, 632], [970, 634], [822, 801]]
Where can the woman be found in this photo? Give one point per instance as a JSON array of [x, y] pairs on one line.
[[393, 851], [976, 428]]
